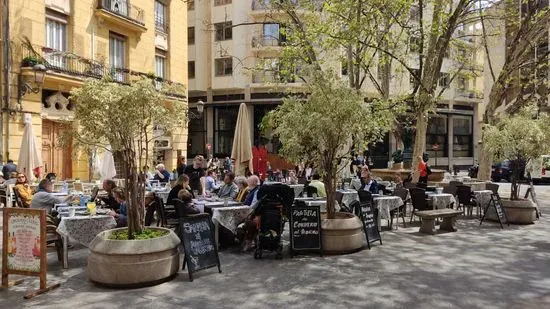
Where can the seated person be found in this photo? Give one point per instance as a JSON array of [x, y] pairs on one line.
[[121, 216], [51, 177], [211, 184], [253, 186], [181, 183], [318, 184], [229, 189], [12, 180], [44, 199], [242, 184], [161, 174], [23, 190], [183, 204], [109, 200], [398, 180], [368, 184], [151, 206]]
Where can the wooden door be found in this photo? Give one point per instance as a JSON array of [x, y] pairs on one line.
[[56, 159]]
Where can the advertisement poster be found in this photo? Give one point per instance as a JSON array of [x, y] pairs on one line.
[[23, 241]]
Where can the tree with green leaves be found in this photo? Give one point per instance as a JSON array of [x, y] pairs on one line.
[[519, 138], [515, 34], [123, 116], [326, 126]]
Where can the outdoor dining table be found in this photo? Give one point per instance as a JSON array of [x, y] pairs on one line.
[[298, 189], [82, 229], [476, 186], [229, 216], [483, 197], [441, 200], [349, 196]]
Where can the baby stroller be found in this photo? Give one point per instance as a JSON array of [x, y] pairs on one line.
[[274, 202]]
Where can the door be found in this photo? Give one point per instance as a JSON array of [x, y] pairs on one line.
[[56, 159]]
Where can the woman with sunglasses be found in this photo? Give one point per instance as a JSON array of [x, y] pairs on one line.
[[23, 190]]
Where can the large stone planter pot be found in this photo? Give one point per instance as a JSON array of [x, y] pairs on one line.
[[518, 212], [133, 263], [344, 234]]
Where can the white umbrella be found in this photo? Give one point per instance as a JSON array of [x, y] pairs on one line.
[[29, 156], [108, 170], [242, 145]]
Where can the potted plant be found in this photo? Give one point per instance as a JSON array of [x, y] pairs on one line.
[[397, 159], [31, 61], [324, 129], [122, 116], [519, 138]]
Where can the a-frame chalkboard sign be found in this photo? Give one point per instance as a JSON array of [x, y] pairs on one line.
[[369, 217], [198, 243], [305, 229], [497, 204]]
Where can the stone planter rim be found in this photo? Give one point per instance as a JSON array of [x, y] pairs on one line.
[[102, 244]]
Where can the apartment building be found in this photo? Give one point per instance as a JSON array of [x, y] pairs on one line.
[[226, 38], [75, 40]]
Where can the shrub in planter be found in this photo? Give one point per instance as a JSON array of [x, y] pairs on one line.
[[31, 61]]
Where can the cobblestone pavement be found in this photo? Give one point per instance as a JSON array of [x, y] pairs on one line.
[[476, 267]]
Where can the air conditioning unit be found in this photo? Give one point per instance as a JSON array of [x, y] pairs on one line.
[[162, 143]]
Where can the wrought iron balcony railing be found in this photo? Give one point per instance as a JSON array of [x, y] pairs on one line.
[[124, 9]]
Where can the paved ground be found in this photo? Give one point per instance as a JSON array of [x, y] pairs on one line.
[[477, 267]]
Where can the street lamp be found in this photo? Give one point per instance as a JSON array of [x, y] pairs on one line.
[[200, 110], [25, 87]]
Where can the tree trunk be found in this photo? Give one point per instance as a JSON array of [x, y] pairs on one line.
[[419, 142], [330, 188], [134, 194], [485, 163]]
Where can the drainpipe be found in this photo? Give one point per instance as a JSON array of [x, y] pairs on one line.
[[6, 65]]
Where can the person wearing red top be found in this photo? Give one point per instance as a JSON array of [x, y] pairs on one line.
[[422, 170]]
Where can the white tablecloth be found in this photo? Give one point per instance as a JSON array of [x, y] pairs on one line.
[[230, 217], [476, 186], [441, 200], [387, 203], [483, 197], [349, 196], [201, 203], [298, 189], [83, 229]]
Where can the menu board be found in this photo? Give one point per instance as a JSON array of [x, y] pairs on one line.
[[198, 242], [369, 217], [305, 228], [497, 204]]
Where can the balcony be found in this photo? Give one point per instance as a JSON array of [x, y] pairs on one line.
[[121, 13], [469, 94], [266, 78], [265, 42], [70, 69]]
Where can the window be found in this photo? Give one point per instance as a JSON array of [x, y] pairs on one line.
[[191, 35], [160, 16], [462, 136], [344, 70], [191, 69], [271, 35], [197, 135], [224, 130], [224, 66], [462, 83], [221, 2], [56, 37], [224, 31], [444, 79], [190, 5], [160, 63], [117, 56], [437, 134]]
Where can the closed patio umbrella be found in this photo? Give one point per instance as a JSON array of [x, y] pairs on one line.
[[30, 158], [242, 145], [108, 170]]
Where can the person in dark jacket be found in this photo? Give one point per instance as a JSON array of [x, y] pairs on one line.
[[109, 200], [181, 183], [183, 205], [9, 168], [367, 183], [195, 172], [161, 174], [181, 166]]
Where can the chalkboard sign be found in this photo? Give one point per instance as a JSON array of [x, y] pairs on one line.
[[198, 243], [499, 209], [305, 229], [369, 217]]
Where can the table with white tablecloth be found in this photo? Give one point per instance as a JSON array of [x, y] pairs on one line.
[[298, 189], [83, 229], [441, 200], [229, 217], [385, 204], [349, 196], [483, 198], [476, 186]]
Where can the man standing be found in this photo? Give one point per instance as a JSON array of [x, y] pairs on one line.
[[9, 168], [195, 172]]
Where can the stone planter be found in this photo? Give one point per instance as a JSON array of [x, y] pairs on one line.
[[518, 212], [389, 173], [397, 166], [133, 263], [343, 234]]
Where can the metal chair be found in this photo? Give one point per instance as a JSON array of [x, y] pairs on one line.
[[17, 198], [418, 201], [465, 199], [364, 196], [310, 191], [455, 183], [402, 210]]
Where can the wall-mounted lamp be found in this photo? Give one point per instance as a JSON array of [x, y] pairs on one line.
[[200, 109], [26, 87]]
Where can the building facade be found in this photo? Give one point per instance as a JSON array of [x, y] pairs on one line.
[[227, 38], [75, 40]]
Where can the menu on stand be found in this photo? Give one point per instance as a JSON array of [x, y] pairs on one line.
[[305, 229], [24, 252]]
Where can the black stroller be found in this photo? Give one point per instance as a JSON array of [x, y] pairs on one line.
[[274, 202]]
